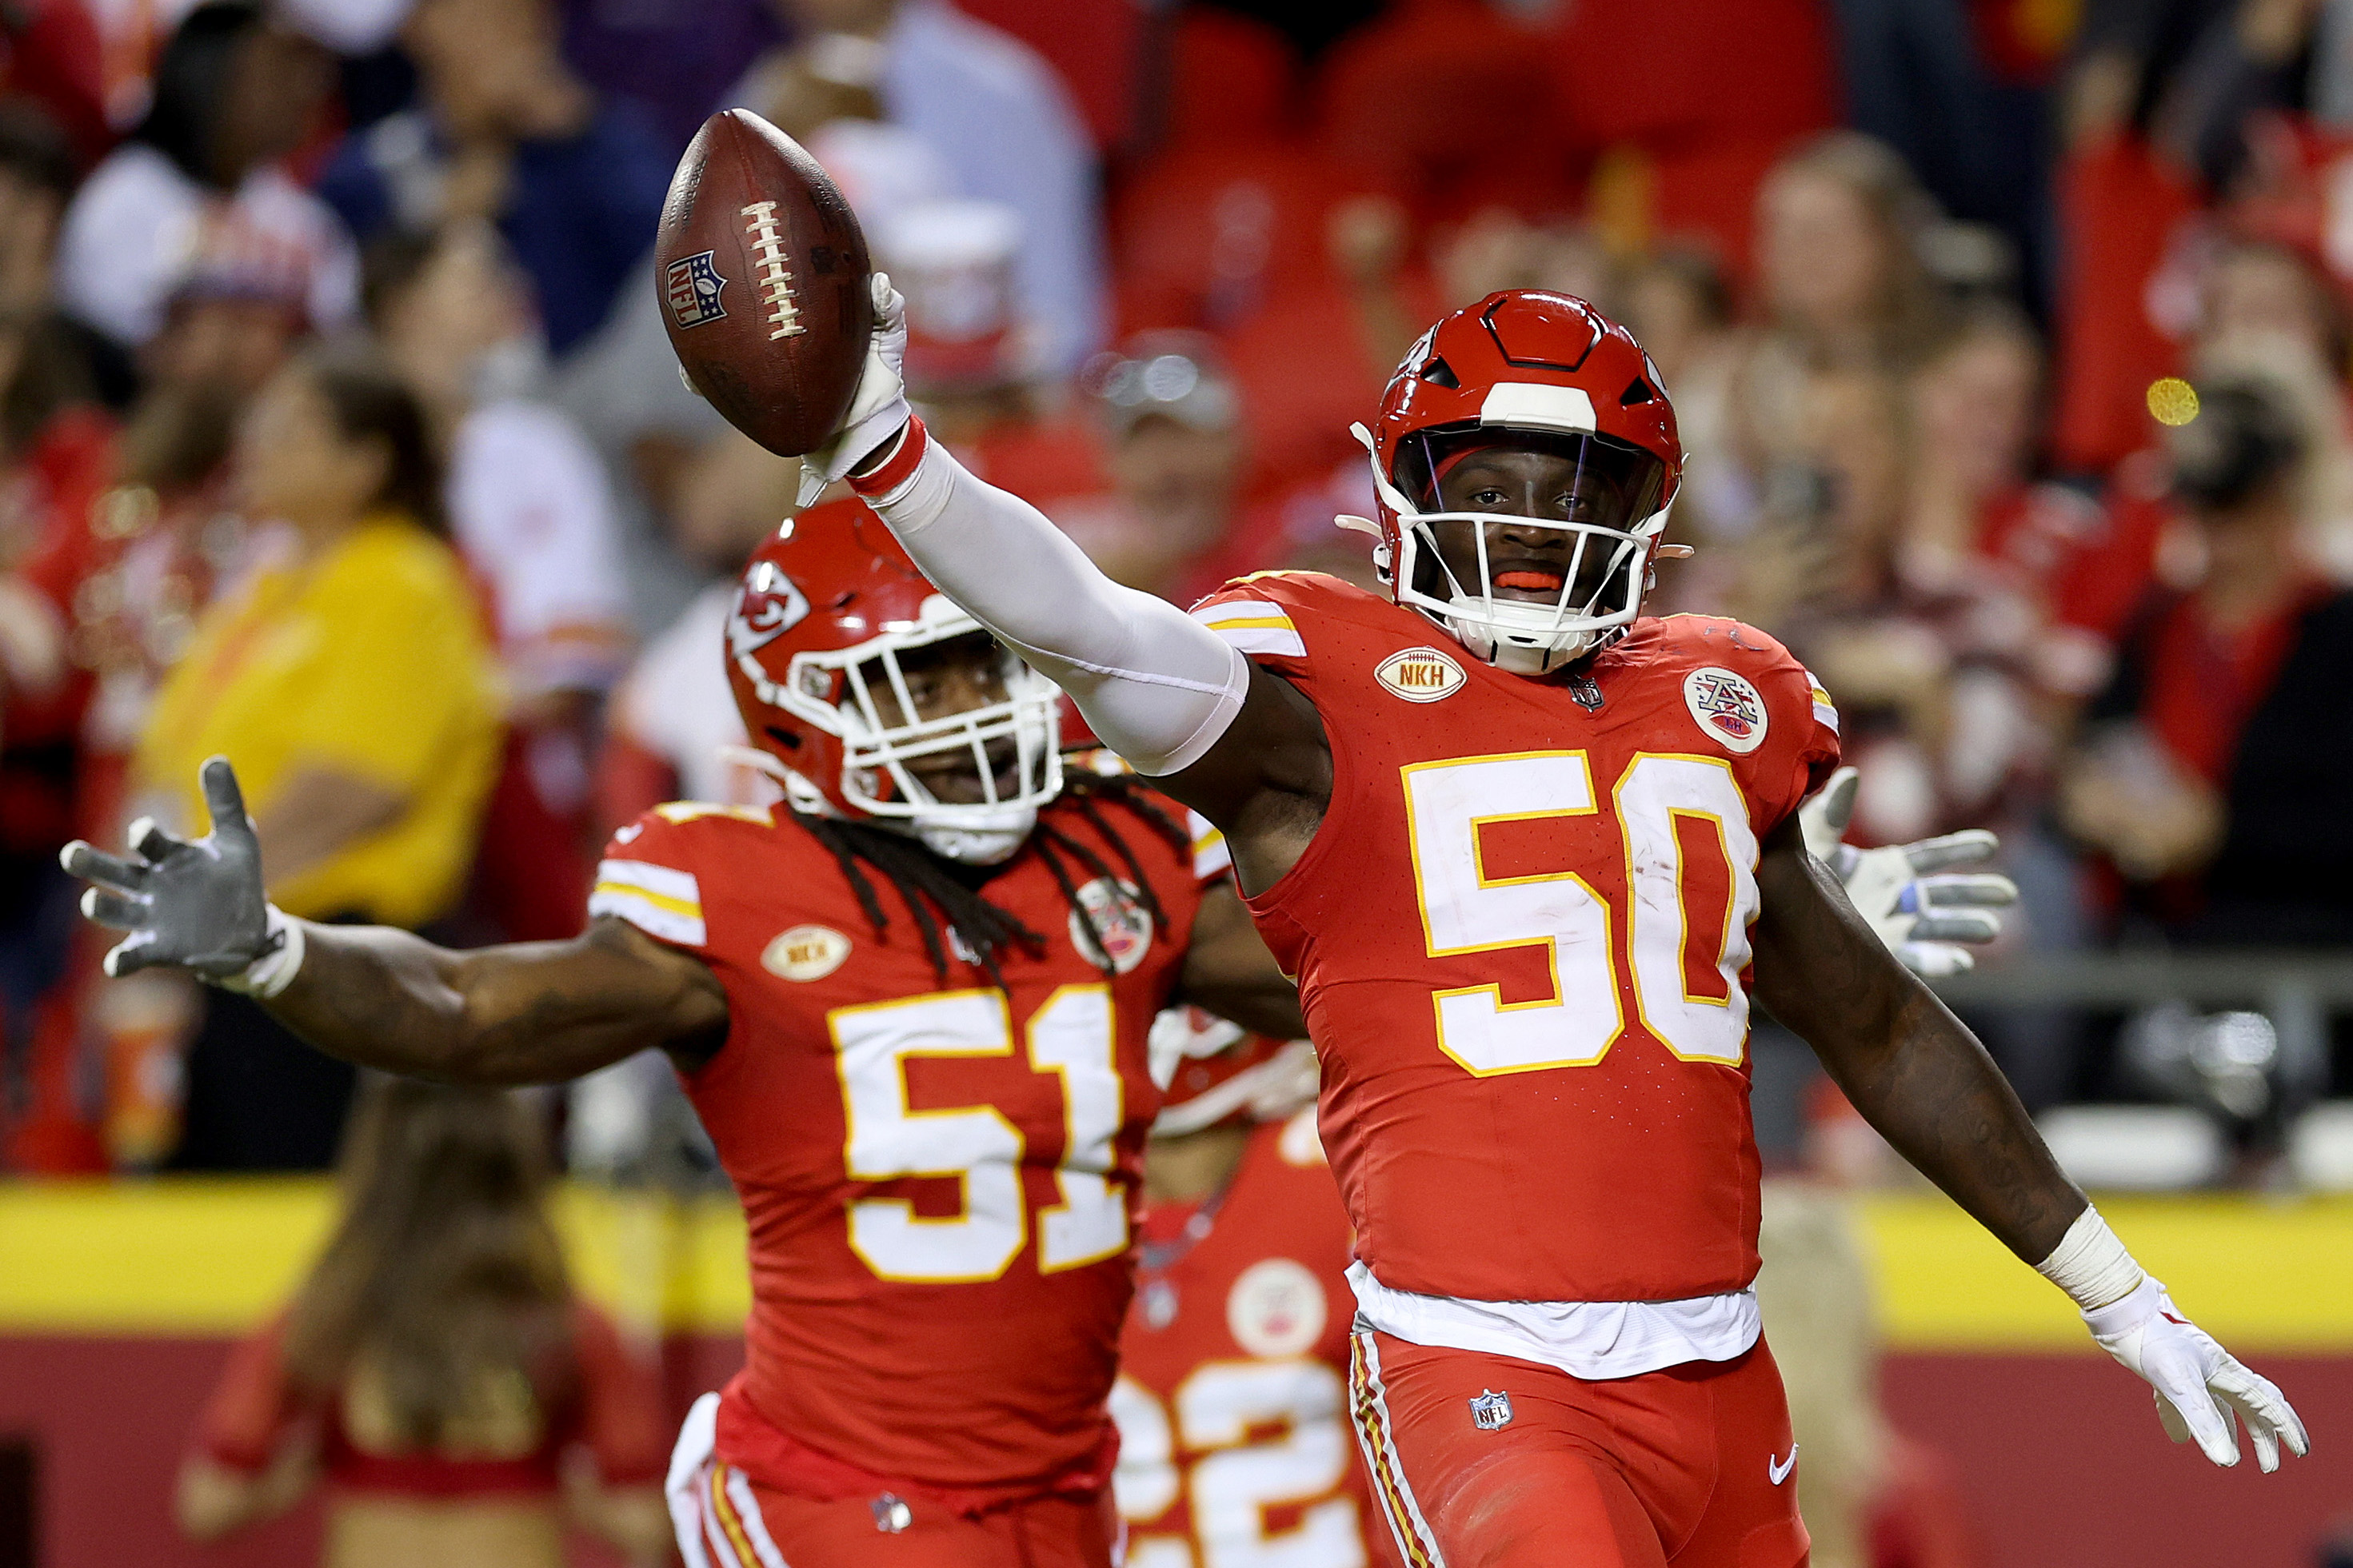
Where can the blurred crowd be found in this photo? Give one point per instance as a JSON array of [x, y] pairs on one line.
[[338, 430]]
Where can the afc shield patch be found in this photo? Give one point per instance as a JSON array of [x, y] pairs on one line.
[[1276, 1309], [1726, 707], [1490, 1411], [1108, 913], [691, 288]]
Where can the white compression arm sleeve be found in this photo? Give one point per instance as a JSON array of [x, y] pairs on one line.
[[1157, 687]]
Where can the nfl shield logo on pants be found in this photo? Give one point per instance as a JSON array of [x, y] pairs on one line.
[[1491, 1412]]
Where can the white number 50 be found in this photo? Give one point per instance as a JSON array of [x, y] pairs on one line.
[[1465, 911]]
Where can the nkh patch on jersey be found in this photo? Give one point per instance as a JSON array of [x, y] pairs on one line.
[[805, 952], [1422, 674]]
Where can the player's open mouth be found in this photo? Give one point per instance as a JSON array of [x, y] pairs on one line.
[[953, 781]]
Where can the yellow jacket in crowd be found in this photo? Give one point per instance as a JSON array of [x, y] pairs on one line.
[[371, 660]]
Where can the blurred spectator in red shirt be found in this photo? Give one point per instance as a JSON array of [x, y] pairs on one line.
[[437, 1371], [2214, 771], [134, 539], [56, 450], [51, 56], [2256, 308]]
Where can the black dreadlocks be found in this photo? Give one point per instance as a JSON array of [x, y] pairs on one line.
[[933, 887]]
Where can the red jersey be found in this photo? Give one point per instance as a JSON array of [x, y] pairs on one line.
[[1235, 1445], [1521, 936], [936, 1175]]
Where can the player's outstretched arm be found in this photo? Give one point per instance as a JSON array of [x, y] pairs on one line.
[[1159, 688], [526, 1013], [1918, 1076]]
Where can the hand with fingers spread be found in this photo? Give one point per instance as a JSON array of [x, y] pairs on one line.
[[879, 411], [2200, 1386], [1921, 909], [196, 905]]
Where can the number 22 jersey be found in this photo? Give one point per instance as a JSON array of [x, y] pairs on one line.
[[936, 1176], [1521, 937]]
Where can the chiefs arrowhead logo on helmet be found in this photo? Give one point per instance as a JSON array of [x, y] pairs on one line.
[[831, 625], [1524, 371], [768, 605]]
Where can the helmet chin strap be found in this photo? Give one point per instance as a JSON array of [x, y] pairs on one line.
[[970, 835], [975, 838], [1517, 658]]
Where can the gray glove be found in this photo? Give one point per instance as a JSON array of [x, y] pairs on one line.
[[198, 906], [1923, 914]]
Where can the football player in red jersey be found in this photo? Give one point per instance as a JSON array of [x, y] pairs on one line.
[[1232, 1398], [1529, 855], [911, 1010]]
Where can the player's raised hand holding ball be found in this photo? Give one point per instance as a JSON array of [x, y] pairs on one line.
[[768, 301]]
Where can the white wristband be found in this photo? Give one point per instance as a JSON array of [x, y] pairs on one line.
[[2090, 1264], [274, 970]]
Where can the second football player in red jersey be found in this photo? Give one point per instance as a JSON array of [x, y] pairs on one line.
[[1529, 853], [1235, 1447], [911, 1007]]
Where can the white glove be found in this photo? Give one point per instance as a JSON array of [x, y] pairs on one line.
[[1923, 918], [2199, 1385], [879, 412]]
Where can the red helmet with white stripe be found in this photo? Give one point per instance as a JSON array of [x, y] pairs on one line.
[[1525, 371], [828, 612]]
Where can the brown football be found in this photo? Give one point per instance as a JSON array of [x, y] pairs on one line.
[[762, 273]]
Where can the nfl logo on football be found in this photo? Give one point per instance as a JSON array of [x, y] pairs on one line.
[[692, 286], [1491, 1412]]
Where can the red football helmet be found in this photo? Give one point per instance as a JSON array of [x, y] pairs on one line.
[[1525, 370], [1210, 1070], [827, 607]]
